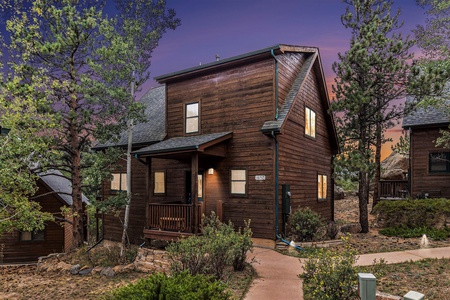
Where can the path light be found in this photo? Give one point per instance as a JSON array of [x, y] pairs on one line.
[[4, 131]]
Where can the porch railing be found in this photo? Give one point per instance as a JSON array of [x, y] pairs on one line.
[[393, 188], [172, 217]]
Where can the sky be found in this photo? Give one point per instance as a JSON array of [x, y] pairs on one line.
[[234, 27]]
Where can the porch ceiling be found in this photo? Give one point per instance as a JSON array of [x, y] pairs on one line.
[[179, 147]]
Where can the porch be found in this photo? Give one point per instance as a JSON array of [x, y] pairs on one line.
[[393, 189], [172, 221]]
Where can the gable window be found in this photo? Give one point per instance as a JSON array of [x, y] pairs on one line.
[[192, 118], [238, 182], [322, 187], [439, 162], [25, 236], [160, 182], [310, 122], [119, 182]]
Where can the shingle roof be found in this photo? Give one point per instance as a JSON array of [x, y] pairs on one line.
[[61, 185], [181, 143], [151, 131], [275, 125], [429, 116]]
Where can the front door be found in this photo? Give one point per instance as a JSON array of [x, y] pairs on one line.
[[188, 196]]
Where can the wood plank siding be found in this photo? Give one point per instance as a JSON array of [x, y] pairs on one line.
[[12, 250], [422, 181]]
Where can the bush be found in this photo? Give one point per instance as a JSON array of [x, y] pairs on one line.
[[329, 275], [413, 213], [183, 286], [219, 246], [405, 232], [305, 224]]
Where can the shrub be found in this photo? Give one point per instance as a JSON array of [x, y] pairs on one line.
[[305, 224], [405, 232], [179, 286], [219, 246], [330, 275], [413, 213]]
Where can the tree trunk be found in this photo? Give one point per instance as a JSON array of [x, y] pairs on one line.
[[77, 205], [363, 196], [376, 192]]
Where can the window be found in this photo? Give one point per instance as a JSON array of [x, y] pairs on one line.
[[192, 118], [310, 122], [160, 182], [119, 182], [239, 182], [322, 187], [439, 162], [25, 236]]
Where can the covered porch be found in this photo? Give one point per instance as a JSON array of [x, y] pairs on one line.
[[180, 167]]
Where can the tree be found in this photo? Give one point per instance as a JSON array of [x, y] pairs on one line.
[[88, 59], [372, 73]]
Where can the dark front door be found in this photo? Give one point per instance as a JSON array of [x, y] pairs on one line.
[[188, 196]]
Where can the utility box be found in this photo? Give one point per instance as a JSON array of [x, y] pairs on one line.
[[411, 295], [367, 286], [286, 199]]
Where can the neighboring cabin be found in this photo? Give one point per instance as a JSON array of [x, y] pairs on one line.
[[53, 193], [429, 172], [230, 136]]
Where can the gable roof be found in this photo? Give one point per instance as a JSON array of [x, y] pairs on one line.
[[426, 116], [152, 131], [56, 182], [185, 143]]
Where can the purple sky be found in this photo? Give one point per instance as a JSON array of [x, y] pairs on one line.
[[233, 27]]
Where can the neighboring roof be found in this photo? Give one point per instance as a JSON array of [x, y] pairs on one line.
[[233, 61], [56, 181], [426, 116], [187, 143], [152, 131]]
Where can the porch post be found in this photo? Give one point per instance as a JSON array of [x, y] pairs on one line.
[[194, 189], [148, 188]]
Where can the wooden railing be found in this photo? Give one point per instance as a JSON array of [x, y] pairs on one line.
[[393, 188], [172, 217]]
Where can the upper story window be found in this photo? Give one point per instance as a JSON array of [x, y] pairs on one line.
[[322, 187], [238, 182], [31, 235], [119, 182], [439, 162], [310, 122], [160, 182], [192, 118]]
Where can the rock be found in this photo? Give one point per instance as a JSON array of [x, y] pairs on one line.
[[75, 269], [60, 266], [108, 272], [96, 270], [394, 167], [85, 271], [352, 228], [339, 193], [124, 268]]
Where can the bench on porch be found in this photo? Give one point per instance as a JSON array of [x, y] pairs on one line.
[[172, 223]]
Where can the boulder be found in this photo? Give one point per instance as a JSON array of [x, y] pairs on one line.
[[108, 272], [394, 167], [75, 269], [352, 228], [339, 193]]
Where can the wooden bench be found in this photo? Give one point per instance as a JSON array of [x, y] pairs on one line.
[[172, 223]]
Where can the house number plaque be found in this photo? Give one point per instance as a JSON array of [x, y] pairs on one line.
[[260, 177]]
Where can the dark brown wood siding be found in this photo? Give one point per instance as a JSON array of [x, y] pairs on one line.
[[422, 181], [14, 250], [113, 224]]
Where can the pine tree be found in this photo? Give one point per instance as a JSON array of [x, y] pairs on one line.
[[369, 76]]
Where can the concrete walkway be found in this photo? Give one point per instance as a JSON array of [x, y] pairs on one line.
[[277, 274]]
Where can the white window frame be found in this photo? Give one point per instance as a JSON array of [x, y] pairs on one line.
[[310, 122], [235, 178], [188, 118], [122, 182]]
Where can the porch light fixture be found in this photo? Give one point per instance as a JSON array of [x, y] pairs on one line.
[[210, 171]]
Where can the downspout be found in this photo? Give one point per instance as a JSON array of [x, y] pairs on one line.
[[276, 184]]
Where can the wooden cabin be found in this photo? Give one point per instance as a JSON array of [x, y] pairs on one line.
[[248, 137], [25, 246], [429, 173]]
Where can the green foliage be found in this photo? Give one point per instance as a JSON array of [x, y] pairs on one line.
[[424, 213], [104, 256], [179, 286], [437, 234], [402, 146], [218, 247], [329, 275], [305, 224]]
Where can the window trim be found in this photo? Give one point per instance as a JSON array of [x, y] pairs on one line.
[[33, 234], [186, 117], [446, 171], [308, 134], [231, 182], [320, 180], [154, 182], [123, 175]]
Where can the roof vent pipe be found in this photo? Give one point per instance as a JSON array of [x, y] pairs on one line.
[[217, 57]]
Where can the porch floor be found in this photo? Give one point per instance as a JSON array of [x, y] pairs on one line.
[[164, 235]]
